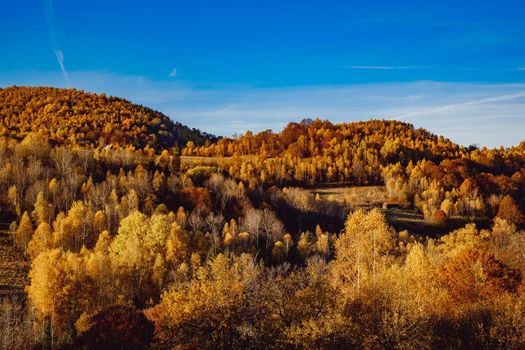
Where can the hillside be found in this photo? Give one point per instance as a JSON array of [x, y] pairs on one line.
[[419, 169], [311, 138], [69, 116], [251, 241], [317, 151]]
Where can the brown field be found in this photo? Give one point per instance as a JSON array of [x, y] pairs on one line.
[[353, 196], [400, 219], [195, 159]]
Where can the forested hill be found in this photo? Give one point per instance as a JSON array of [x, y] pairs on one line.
[[69, 116], [317, 151], [311, 138]]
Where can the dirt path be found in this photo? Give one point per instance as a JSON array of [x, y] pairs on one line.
[[14, 267]]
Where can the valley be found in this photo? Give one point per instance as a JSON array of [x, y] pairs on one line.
[[117, 222]]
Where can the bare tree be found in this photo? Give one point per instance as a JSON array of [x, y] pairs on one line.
[[63, 159], [195, 221], [272, 227], [224, 190], [252, 222], [300, 199], [86, 160], [214, 223], [98, 195], [17, 329]]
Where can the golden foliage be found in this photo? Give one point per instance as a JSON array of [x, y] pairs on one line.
[[69, 116]]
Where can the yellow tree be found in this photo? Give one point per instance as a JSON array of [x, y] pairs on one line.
[[59, 290], [181, 217], [279, 251], [100, 269], [100, 222], [462, 238], [42, 240], [301, 313], [24, 232], [361, 251], [402, 305], [475, 274], [13, 199], [177, 245], [126, 251], [42, 211], [207, 311], [135, 250], [509, 210], [75, 229], [304, 245]]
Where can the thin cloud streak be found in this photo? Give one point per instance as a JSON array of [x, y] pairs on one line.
[[384, 67], [463, 104], [51, 27], [60, 60]]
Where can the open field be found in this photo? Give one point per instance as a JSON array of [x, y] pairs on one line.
[[415, 223], [191, 160], [352, 196], [401, 219]]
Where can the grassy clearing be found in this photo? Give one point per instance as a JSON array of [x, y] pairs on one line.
[[352, 196], [400, 219]]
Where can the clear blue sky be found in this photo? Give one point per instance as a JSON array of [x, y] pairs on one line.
[[228, 66]]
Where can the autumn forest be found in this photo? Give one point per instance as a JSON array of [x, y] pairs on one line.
[[121, 229]]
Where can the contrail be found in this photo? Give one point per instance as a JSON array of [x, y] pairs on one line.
[[385, 67], [51, 28], [464, 104]]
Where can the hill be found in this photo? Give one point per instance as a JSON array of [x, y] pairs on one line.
[[231, 244], [317, 151], [69, 116], [419, 169], [311, 138]]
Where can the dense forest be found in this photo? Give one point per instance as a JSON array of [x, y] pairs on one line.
[[419, 169], [142, 233], [73, 117]]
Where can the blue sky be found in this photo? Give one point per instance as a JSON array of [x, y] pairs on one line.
[[454, 67]]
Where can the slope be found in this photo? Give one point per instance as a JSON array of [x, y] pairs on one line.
[[69, 116]]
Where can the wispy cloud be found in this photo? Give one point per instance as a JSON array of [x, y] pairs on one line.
[[461, 105], [51, 27], [60, 60], [384, 67], [485, 114], [445, 68], [173, 73]]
